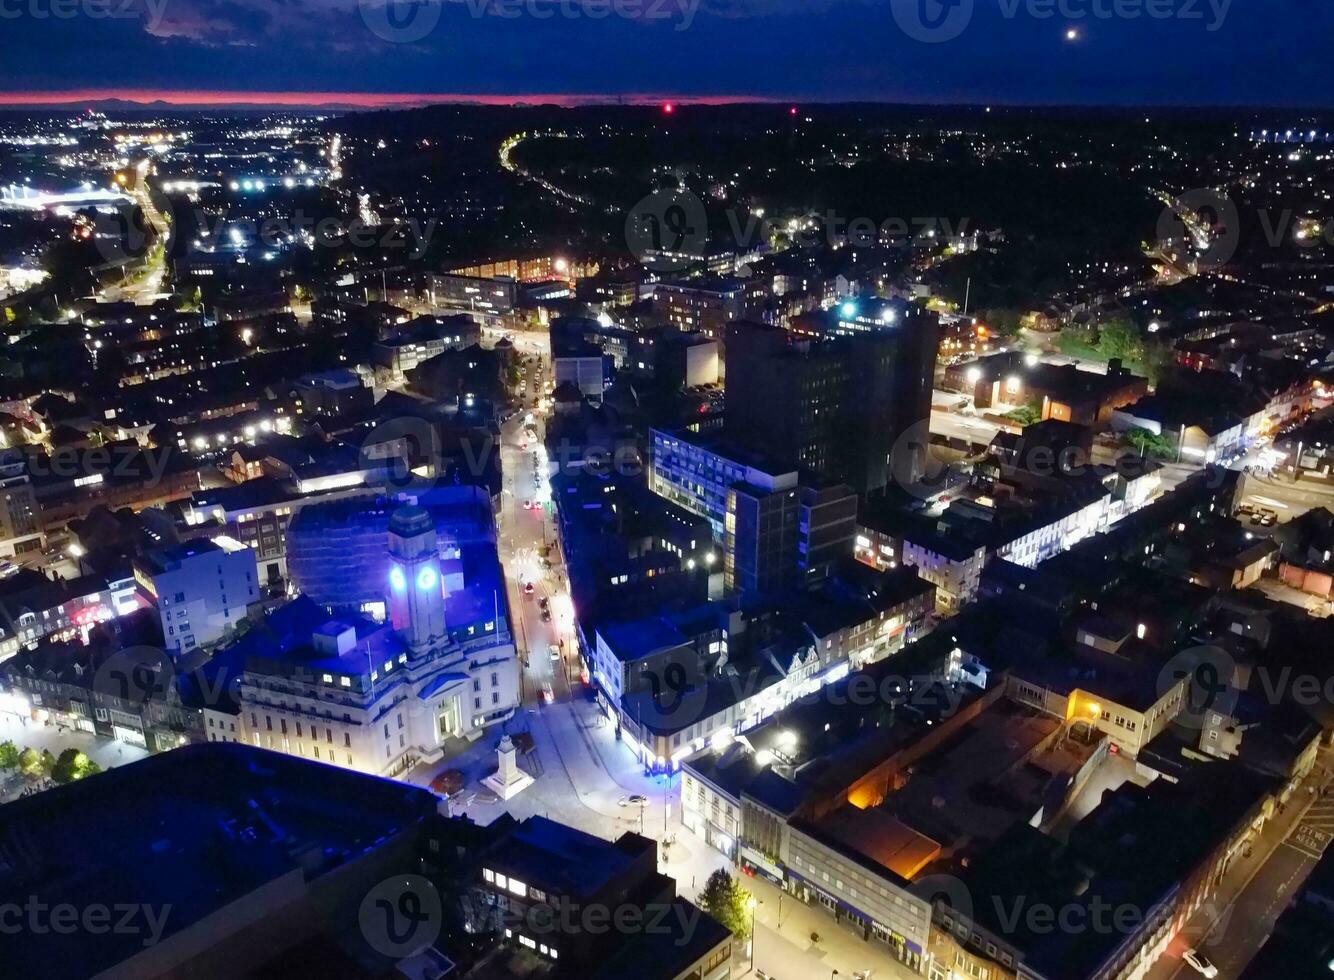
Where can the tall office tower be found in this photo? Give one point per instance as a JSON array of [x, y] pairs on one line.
[[835, 404]]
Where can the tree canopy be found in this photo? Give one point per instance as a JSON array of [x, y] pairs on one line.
[[725, 900]]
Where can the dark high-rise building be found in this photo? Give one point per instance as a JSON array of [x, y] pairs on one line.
[[833, 404]]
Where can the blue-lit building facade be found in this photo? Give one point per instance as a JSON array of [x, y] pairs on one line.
[[376, 696]]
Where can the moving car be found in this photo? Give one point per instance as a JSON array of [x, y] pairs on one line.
[[547, 695], [527, 588], [555, 651], [635, 799], [1200, 962]]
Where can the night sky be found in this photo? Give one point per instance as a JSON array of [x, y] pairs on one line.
[[1194, 52]]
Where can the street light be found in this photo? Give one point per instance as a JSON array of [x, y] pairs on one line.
[[751, 903]]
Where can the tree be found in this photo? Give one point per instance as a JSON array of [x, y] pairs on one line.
[[1080, 333], [1119, 337], [1156, 360], [1026, 415], [30, 763], [1002, 321], [1148, 443], [9, 755], [725, 900], [73, 765]]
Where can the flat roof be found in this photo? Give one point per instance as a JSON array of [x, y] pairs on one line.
[[720, 445], [978, 783], [882, 837], [565, 861], [185, 832], [633, 641]]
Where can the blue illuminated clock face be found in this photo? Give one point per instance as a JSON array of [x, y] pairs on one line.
[[426, 578], [397, 580]]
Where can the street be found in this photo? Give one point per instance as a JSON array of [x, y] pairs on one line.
[[144, 284], [1256, 890], [584, 776], [1282, 495]]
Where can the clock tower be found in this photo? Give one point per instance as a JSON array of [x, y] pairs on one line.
[[415, 587]]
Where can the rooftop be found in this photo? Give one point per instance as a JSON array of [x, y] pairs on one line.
[[564, 861], [187, 833]]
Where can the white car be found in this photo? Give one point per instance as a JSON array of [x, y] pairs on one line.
[[1200, 962]]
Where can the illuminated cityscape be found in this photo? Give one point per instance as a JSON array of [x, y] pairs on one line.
[[646, 516]]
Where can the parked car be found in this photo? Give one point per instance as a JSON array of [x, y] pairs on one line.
[[448, 782], [1200, 962]]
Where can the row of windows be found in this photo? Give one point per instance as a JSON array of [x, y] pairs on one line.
[[871, 889], [512, 885], [330, 755], [314, 730]]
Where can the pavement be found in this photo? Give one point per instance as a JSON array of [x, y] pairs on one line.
[[1231, 929], [785, 950], [106, 752]]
